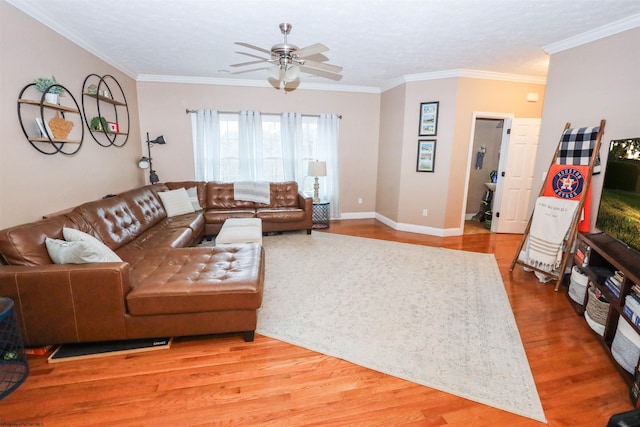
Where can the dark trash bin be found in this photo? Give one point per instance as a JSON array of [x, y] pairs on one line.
[[14, 367]]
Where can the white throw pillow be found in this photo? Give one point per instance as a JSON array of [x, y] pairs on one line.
[[80, 252], [102, 251], [193, 198], [176, 202]]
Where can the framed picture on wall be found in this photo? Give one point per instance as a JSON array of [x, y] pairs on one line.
[[426, 155], [428, 119]]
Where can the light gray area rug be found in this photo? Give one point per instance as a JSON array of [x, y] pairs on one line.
[[437, 317]]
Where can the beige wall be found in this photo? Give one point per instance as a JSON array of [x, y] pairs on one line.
[[442, 192], [477, 95], [163, 106], [427, 190], [32, 183], [390, 152], [598, 80]]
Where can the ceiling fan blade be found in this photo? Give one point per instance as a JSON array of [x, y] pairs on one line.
[[318, 57], [242, 64], [311, 50], [250, 46], [251, 55], [322, 66], [321, 73]]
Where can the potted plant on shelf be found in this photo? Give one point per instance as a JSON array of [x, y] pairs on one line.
[[99, 124], [51, 93]]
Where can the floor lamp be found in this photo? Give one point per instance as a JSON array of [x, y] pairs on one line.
[[317, 169], [145, 162]]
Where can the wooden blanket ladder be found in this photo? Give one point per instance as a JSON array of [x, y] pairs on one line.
[[558, 274]]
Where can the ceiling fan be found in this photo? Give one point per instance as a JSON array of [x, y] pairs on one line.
[[288, 60]]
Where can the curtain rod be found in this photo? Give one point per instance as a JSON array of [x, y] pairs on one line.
[[272, 114]]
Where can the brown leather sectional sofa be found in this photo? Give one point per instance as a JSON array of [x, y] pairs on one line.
[[165, 286]]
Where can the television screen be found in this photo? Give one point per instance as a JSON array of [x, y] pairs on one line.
[[619, 210]]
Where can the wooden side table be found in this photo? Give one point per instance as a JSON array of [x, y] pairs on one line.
[[320, 214]]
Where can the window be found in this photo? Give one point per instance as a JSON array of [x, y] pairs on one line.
[[248, 145], [272, 156], [229, 148], [272, 164]]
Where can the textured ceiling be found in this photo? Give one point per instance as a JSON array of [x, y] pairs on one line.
[[377, 42]]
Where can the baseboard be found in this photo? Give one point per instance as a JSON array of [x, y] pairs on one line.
[[411, 228], [357, 215], [420, 229]]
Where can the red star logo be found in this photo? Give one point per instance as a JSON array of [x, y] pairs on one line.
[[567, 183]]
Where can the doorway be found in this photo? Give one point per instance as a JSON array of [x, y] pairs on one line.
[[508, 202], [487, 134]]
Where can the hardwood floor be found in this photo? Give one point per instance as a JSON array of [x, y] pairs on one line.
[[221, 380]]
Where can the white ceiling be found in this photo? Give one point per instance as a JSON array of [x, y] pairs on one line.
[[378, 42]]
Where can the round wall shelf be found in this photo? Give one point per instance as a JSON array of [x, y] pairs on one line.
[[46, 125], [105, 110]]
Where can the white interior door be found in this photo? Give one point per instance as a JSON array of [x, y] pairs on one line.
[[515, 177]]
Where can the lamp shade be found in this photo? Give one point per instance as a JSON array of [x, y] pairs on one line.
[[317, 169], [159, 140]]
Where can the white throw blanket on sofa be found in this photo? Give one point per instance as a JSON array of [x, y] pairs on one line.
[[551, 220], [252, 191]]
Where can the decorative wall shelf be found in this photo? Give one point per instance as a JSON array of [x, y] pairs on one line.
[[105, 98], [39, 133]]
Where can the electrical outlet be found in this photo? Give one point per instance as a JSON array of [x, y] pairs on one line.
[[360, 200], [424, 212]]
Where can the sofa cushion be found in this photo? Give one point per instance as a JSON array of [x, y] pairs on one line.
[[156, 238], [24, 244], [281, 214], [200, 279], [176, 202], [220, 196], [97, 251], [145, 205], [113, 220], [283, 195], [78, 252], [193, 198], [199, 186], [218, 216]]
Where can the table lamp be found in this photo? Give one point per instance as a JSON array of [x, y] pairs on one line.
[[317, 169]]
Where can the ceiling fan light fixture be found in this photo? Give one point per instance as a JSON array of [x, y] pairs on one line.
[[274, 72], [291, 74]]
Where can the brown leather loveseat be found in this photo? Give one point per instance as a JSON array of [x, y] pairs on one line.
[[164, 285], [287, 210]]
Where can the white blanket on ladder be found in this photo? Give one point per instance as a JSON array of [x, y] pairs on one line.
[[252, 191], [551, 220]]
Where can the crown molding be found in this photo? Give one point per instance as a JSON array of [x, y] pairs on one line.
[[505, 77], [473, 74], [250, 83], [595, 34]]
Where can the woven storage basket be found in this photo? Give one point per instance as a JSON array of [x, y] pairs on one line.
[[597, 327], [598, 310], [625, 347], [578, 285]]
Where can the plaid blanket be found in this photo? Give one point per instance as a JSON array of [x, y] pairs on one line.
[[576, 147]]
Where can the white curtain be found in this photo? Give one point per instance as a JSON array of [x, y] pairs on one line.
[[250, 136], [291, 138], [328, 125], [205, 128]]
